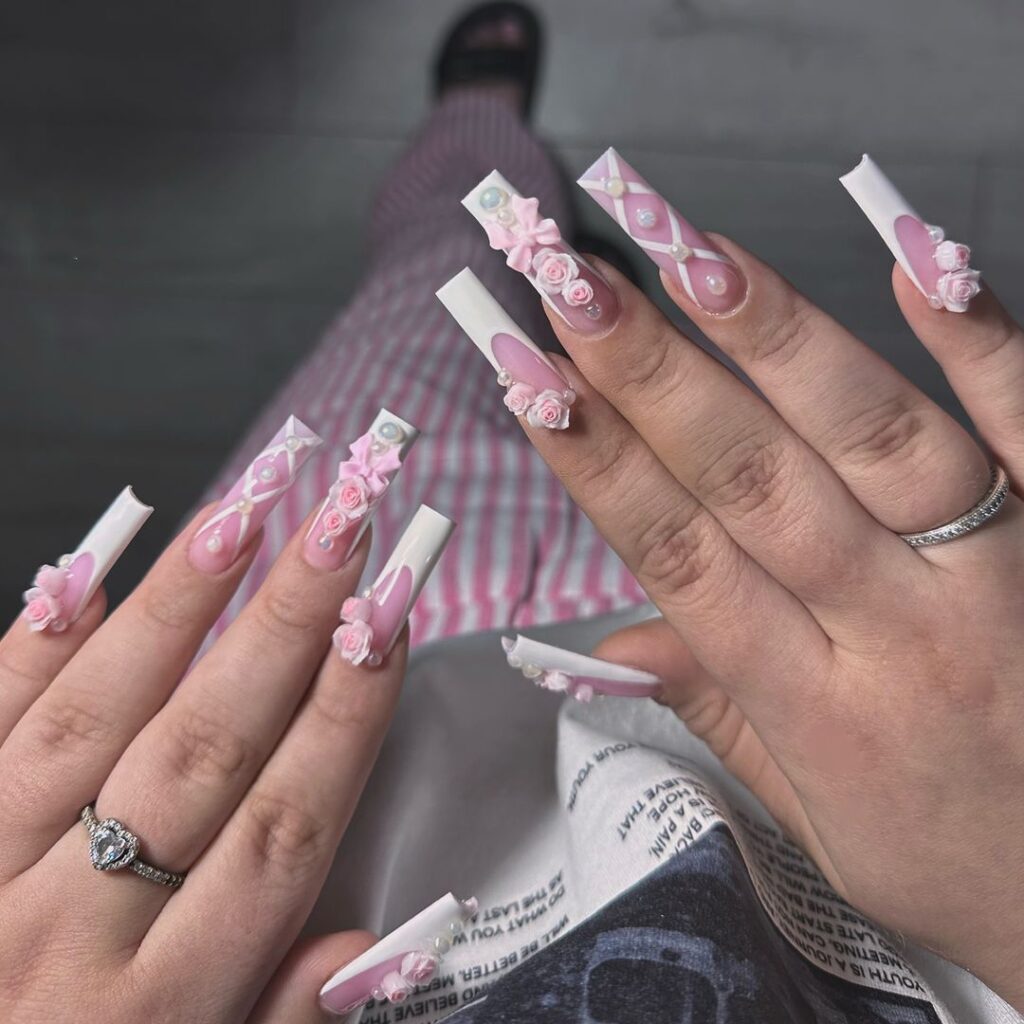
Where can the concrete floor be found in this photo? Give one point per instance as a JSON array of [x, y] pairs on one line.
[[183, 190]]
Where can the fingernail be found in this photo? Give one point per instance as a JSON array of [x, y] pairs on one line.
[[702, 270], [371, 622], [374, 460], [577, 291], [534, 387], [243, 509], [938, 267], [403, 960], [576, 675], [59, 593]]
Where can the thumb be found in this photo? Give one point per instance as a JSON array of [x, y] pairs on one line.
[[291, 996], [713, 716]]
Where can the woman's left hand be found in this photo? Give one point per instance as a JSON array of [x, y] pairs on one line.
[[870, 693]]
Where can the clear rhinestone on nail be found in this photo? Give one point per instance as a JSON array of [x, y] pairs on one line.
[[935, 302], [455, 927], [493, 197], [505, 216], [326, 543], [442, 945], [614, 186], [531, 671], [378, 447], [716, 284], [504, 377], [374, 659], [244, 505], [291, 442], [515, 661], [935, 233], [268, 473], [63, 561], [646, 217], [391, 432], [680, 252], [593, 311], [214, 543]]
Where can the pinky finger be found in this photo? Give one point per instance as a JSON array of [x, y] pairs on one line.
[[30, 662], [291, 997], [981, 353]]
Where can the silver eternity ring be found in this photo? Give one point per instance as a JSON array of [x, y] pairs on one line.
[[974, 517], [112, 847]]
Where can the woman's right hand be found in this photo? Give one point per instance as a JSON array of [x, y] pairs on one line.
[[242, 770]]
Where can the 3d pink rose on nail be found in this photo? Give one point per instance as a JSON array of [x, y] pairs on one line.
[[578, 292], [352, 497], [333, 523], [43, 606], [952, 255], [554, 270], [957, 288], [353, 641], [550, 410], [419, 967], [519, 398], [356, 609]]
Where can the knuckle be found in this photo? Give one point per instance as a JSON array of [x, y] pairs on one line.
[[68, 725], [651, 370], [747, 478], [346, 710], [777, 341], [202, 750], [283, 615], [168, 609], [284, 834], [884, 431], [605, 463], [673, 553]]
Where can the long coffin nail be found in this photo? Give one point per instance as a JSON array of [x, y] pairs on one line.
[[576, 675], [345, 513], [392, 969], [534, 387], [59, 593], [243, 509], [704, 272], [371, 622], [577, 291], [937, 266]]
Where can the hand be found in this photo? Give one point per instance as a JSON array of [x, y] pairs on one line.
[[871, 694], [244, 773]]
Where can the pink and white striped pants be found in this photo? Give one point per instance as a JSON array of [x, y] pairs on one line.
[[523, 553]]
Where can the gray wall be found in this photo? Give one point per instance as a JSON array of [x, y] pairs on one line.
[[183, 190]]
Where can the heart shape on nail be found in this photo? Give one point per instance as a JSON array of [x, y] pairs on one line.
[[112, 846]]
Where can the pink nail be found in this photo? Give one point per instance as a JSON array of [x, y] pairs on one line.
[[577, 675], [406, 958], [535, 388], [577, 291], [702, 270], [937, 266], [240, 514], [371, 622], [374, 460], [59, 593]]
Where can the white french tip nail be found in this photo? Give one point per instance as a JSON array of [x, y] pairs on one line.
[[424, 938], [578, 675], [406, 572], [109, 537], [471, 201], [516, 358], [882, 204], [404, 437]]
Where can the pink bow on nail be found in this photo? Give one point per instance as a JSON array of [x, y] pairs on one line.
[[520, 238], [370, 465]]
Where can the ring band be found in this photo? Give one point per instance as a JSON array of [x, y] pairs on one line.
[[974, 517], [112, 847]]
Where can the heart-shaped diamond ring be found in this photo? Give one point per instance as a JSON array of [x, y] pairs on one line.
[[112, 847]]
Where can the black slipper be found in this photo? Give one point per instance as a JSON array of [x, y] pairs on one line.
[[461, 64]]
